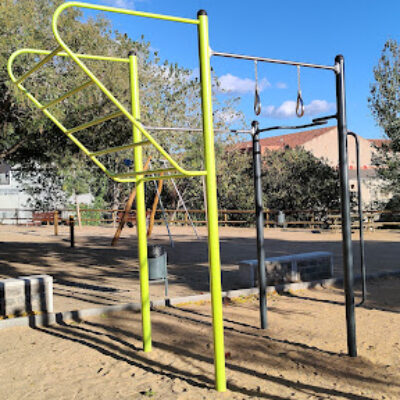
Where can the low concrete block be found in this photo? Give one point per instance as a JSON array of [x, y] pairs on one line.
[[302, 267], [26, 294]]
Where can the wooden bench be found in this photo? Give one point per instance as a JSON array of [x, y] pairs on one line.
[[302, 267]]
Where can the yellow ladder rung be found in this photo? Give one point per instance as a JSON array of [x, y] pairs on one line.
[[94, 122], [66, 95], [39, 64], [147, 172], [118, 148]]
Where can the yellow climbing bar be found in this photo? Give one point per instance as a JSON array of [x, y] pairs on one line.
[[94, 122], [68, 94], [118, 148], [39, 64], [146, 172]]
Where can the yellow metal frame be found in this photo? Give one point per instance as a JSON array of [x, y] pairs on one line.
[[125, 177], [139, 176]]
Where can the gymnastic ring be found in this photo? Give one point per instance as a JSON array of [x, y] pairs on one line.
[[257, 103], [299, 105]]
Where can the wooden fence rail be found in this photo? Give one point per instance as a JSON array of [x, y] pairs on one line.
[[313, 219]]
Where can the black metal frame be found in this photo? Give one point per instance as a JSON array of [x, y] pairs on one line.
[[348, 273], [361, 224], [262, 277]]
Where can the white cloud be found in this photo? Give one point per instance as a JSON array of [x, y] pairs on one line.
[[288, 109], [281, 85], [233, 84]]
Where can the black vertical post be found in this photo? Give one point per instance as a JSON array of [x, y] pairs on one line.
[[345, 207], [361, 223], [262, 278], [71, 230]]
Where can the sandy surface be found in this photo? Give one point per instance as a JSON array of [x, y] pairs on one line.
[[96, 274], [301, 355]]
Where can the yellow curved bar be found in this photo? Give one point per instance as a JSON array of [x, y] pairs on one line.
[[98, 7], [123, 111], [85, 69]]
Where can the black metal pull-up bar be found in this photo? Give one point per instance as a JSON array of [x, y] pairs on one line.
[[340, 116]]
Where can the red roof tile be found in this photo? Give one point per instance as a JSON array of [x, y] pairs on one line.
[[292, 139]]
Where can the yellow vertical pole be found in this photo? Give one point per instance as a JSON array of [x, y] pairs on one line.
[[212, 206], [140, 209]]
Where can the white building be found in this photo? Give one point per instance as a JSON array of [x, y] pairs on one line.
[[13, 199]]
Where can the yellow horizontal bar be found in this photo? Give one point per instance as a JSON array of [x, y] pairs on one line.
[[94, 122], [155, 178], [39, 64], [66, 95], [147, 172], [174, 176], [61, 8], [79, 55], [118, 148]]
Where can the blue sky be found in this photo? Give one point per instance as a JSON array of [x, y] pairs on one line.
[[311, 31]]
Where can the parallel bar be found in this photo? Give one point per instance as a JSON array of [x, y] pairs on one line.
[[66, 95], [61, 8], [39, 64], [94, 122], [348, 276], [212, 207], [272, 60], [147, 172], [118, 148]]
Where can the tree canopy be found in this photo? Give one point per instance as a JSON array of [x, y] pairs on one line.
[[384, 103], [169, 96]]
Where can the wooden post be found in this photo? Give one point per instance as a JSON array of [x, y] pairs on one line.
[[128, 207], [114, 217], [55, 223], [225, 219], [267, 218], [78, 214], [154, 208]]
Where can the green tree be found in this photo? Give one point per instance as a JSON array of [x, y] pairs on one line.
[[169, 97], [384, 103], [294, 179]]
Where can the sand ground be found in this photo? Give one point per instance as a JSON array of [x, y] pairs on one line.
[[96, 274], [302, 355]]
